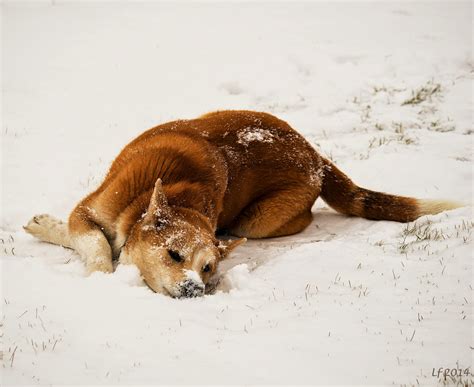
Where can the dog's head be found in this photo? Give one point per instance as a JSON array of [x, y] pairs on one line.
[[175, 249]]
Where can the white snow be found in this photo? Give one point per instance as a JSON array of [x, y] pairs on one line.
[[247, 135], [348, 301], [236, 277]]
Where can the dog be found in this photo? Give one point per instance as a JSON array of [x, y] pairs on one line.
[[172, 188]]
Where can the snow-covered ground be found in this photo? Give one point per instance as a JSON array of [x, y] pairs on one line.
[[384, 89]]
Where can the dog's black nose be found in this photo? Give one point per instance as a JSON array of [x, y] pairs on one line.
[[190, 288]]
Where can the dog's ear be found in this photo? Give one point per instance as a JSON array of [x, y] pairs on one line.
[[158, 207], [225, 247]]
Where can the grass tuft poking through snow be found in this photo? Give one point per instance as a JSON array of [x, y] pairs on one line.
[[425, 92]]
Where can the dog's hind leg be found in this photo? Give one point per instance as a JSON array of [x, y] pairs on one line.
[[89, 241], [279, 213], [49, 229]]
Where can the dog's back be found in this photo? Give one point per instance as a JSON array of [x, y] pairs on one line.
[[247, 153]]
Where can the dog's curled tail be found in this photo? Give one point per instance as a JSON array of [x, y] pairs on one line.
[[346, 197]]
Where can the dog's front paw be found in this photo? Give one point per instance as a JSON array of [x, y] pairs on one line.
[[41, 225]]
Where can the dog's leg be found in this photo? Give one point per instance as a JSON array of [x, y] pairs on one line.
[[282, 212], [49, 229], [89, 241]]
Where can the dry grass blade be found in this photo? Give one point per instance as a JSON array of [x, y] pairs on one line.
[[423, 93], [12, 358]]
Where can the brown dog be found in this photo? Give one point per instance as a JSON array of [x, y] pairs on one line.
[[171, 188]]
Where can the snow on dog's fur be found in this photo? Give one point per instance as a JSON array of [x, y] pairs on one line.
[[173, 187]]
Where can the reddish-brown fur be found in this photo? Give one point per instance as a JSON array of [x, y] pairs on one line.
[[194, 160], [246, 172]]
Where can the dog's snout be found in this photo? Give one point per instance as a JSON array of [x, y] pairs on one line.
[[190, 288]]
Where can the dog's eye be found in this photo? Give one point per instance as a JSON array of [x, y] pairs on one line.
[[206, 268], [175, 256]]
